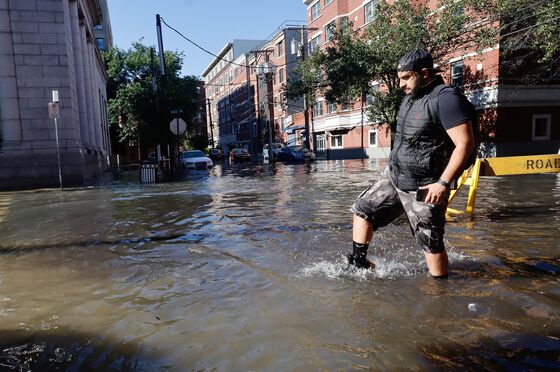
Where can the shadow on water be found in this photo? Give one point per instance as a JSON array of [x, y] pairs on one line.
[[67, 350], [511, 352], [89, 243], [519, 212]]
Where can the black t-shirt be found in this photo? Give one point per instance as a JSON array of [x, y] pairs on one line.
[[452, 110]]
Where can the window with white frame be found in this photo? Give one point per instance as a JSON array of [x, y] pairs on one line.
[[315, 44], [315, 10], [327, 2], [321, 142], [331, 107], [372, 138], [329, 31], [336, 141], [541, 127], [318, 109], [369, 11], [281, 75]]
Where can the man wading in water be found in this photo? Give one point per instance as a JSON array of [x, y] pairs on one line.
[[428, 154]]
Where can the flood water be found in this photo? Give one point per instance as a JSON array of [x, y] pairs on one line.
[[242, 268]]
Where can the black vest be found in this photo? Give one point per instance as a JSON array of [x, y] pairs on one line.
[[422, 148]]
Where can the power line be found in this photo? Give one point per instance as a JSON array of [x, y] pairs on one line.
[[215, 55]]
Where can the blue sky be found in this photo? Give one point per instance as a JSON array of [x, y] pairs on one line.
[[209, 23]]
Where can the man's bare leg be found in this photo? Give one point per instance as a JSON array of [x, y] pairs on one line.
[[438, 263], [362, 231]]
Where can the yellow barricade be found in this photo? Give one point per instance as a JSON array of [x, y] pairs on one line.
[[505, 166]]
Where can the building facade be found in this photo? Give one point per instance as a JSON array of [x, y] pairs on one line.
[[341, 131], [225, 81], [245, 85], [516, 118], [48, 46]]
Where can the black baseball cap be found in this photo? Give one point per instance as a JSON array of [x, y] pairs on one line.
[[417, 60]]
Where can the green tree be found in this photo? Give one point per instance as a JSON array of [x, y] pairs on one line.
[[141, 100], [356, 62]]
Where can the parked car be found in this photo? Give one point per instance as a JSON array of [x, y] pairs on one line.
[[295, 154], [276, 147], [216, 154], [195, 159], [239, 155]]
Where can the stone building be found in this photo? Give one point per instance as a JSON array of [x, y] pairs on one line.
[[48, 45]]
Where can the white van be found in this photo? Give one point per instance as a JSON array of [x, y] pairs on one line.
[[276, 147]]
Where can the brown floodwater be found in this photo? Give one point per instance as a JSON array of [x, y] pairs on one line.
[[242, 268]]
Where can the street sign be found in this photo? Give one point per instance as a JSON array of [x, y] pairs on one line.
[[53, 110], [178, 126]]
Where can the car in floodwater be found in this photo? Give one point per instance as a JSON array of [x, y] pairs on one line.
[[276, 147], [239, 154], [195, 159], [216, 154], [296, 154]]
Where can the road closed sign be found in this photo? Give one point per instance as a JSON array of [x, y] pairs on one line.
[[178, 126]]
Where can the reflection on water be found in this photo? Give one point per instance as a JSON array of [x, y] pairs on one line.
[[243, 267]]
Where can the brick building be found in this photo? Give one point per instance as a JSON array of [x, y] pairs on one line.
[[48, 45], [339, 129], [229, 94], [244, 99], [517, 118], [279, 55]]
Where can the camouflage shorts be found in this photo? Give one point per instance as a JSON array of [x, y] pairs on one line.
[[383, 202]]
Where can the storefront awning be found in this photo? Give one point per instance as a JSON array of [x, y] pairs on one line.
[[293, 128]]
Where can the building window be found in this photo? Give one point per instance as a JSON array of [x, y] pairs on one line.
[[336, 141], [346, 106], [327, 2], [98, 27], [457, 74], [329, 31], [280, 48], [318, 109], [331, 107], [281, 75], [369, 11], [541, 127], [315, 10], [315, 44], [101, 43], [373, 138], [321, 142]]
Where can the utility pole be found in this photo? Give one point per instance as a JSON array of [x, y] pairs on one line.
[[271, 112], [305, 106], [208, 100], [160, 44]]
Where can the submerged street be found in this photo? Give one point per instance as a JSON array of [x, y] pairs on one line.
[[242, 267]]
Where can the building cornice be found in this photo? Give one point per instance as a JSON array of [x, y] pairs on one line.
[[216, 60]]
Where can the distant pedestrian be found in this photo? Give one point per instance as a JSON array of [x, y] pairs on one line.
[[427, 155]]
